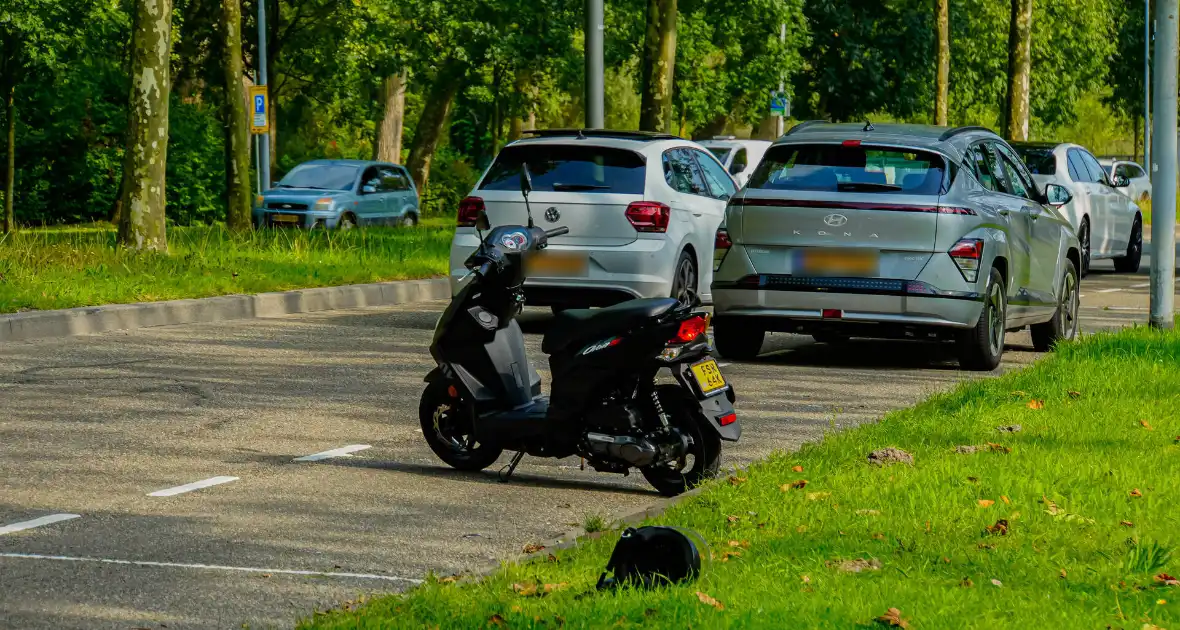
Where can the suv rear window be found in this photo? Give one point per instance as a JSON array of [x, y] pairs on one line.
[[564, 168], [1039, 161], [840, 168]]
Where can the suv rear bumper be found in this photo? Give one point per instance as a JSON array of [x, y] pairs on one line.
[[791, 311]]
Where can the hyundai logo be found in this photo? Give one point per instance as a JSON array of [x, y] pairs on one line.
[[835, 220], [552, 215]]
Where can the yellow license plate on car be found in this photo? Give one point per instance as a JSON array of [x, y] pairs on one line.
[[853, 262], [556, 265], [708, 376], [285, 218]]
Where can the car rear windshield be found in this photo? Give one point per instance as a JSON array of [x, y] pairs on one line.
[[843, 168], [564, 168], [720, 152], [320, 177], [1039, 161]]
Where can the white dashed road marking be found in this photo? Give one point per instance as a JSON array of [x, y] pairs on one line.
[[343, 451], [1107, 290], [212, 567], [1141, 285], [189, 487], [37, 522]]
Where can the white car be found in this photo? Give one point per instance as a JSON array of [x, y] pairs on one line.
[[1109, 224], [739, 157], [642, 210], [1138, 183]]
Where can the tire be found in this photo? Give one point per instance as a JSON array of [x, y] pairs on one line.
[[1130, 262], [704, 445], [830, 338], [982, 347], [410, 220], [447, 427], [1084, 242], [1064, 325], [737, 339], [684, 278], [347, 222]]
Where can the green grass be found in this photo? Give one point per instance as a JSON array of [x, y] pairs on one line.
[[1089, 491], [80, 266]]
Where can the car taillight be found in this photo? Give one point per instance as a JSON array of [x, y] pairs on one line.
[[967, 254], [649, 216], [469, 210], [690, 329], [721, 246]]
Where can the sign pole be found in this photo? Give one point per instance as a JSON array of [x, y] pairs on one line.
[[782, 87], [595, 93], [1163, 167], [263, 139]]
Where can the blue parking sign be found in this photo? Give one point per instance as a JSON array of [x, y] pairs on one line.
[[260, 122]]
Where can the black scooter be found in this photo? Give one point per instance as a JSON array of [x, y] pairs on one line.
[[606, 406]]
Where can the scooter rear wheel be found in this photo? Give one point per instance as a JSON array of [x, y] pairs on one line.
[[449, 428], [703, 459]]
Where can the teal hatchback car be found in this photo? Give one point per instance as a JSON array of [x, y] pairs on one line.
[[340, 194]]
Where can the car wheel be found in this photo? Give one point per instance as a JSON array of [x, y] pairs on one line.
[[347, 222], [410, 220], [1064, 325], [685, 279], [1084, 241], [1130, 262], [737, 339], [982, 347]]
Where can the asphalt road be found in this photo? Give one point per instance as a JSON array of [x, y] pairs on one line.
[[91, 426]]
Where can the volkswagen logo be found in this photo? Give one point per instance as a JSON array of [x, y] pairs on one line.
[[835, 220], [552, 215]]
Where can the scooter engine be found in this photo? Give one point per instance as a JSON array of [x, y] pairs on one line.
[[635, 451]]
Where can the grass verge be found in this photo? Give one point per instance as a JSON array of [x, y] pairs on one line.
[[63, 268], [1064, 523]]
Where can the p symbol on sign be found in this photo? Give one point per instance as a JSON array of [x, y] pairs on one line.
[[259, 104]]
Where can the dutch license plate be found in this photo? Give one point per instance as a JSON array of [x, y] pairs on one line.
[[556, 264], [708, 376], [837, 262], [285, 218]]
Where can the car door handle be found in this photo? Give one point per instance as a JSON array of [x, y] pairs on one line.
[[698, 214]]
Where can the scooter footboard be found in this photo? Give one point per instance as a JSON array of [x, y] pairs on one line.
[[716, 406]]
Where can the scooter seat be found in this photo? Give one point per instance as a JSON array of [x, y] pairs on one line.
[[589, 325]]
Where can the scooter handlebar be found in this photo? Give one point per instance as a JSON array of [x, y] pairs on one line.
[[561, 231]]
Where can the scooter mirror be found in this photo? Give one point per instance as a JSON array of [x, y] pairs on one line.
[[482, 223], [526, 180]]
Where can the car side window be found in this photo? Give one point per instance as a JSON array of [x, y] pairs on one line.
[[371, 178], [740, 159], [1135, 171], [982, 165], [393, 180], [1097, 174], [1020, 176], [720, 185], [1077, 167], [1012, 175], [682, 174]]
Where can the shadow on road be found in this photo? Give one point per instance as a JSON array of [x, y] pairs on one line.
[[491, 476]]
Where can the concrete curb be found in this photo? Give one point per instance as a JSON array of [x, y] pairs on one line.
[[89, 320]]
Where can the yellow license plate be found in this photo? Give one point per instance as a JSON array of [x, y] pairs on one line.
[[556, 265], [708, 376], [285, 218], [837, 262]]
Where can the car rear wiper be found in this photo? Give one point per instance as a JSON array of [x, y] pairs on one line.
[[866, 186], [573, 187]]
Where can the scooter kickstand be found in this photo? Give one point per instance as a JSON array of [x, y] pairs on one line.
[[511, 467]]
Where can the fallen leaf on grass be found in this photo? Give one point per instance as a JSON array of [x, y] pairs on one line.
[[973, 479], [1126, 523], [1146, 425], [986, 503], [893, 619], [800, 468], [526, 590], [890, 455], [1000, 528], [450, 579], [879, 536], [1036, 404], [1010, 428], [726, 555], [1019, 394], [1005, 499], [551, 558], [497, 620], [816, 496], [736, 481], [744, 544], [806, 579], [868, 512], [966, 583], [996, 582], [801, 529], [709, 601], [1073, 394], [1167, 580], [799, 485], [733, 519], [1063, 574], [533, 548], [1050, 506], [856, 566], [1135, 493]]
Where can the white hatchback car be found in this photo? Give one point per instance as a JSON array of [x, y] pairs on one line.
[[1138, 183], [642, 210], [739, 157], [1109, 224]]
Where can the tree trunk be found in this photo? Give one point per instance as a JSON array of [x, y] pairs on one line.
[[1019, 69], [10, 156], [389, 133], [942, 93], [766, 129], [431, 123], [518, 123], [142, 225], [714, 127], [659, 66], [237, 134]]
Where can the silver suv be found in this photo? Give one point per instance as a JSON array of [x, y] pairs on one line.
[[895, 231]]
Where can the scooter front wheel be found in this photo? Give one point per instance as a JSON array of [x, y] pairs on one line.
[[448, 424], [703, 459]]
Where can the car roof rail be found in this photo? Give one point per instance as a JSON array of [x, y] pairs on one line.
[[805, 124], [950, 133], [601, 133]]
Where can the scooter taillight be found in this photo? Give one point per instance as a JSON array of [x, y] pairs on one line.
[[690, 329]]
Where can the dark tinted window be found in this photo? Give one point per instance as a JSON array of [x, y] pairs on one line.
[[1019, 169], [1015, 184], [834, 167], [1097, 174], [720, 152], [1039, 161], [1077, 167], [682, 173], [983, 162], [320, 177], [720, 184], [371, 179], [739, 159], [566, 168], [393, 180]]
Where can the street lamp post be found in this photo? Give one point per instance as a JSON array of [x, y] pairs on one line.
[[1163, 166], [595, 88]]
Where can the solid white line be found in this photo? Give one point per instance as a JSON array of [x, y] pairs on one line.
[[37, 522], [211, 567], [189, 487], [1142, 285], [343, 451], [723, 365], [1108, 290]]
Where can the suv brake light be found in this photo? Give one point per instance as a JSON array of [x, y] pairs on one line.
[[649, 216], [721, 246], [469, 210], [967, 254]]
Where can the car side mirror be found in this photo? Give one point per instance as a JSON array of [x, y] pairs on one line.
[[1057, 195], [482, 223], [1121, 181], [369, 190], [526, 180], [737, 168]]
